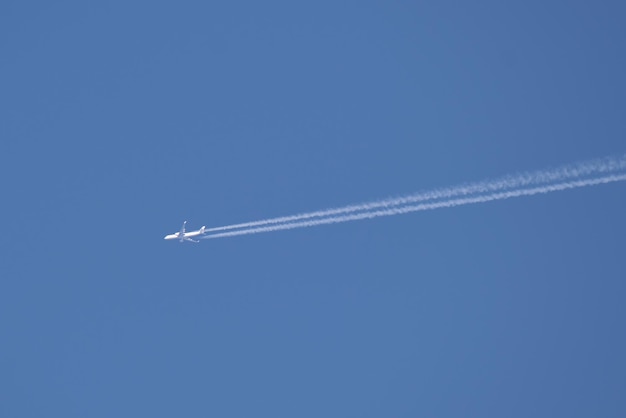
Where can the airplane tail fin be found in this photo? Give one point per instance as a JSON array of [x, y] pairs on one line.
[[202, 229]]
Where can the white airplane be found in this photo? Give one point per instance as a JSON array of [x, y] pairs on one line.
[[185, 236]]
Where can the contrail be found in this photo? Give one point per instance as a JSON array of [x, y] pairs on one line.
[[428, 206], [568, 172]]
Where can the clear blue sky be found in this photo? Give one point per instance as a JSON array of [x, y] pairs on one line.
[[121, 119]]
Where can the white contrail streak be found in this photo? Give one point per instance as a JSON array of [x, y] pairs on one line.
[[568, 172], [428, 206]]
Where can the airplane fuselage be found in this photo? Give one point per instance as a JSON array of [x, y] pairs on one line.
[[177, 235]]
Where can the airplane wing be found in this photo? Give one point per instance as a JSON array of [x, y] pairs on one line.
[[182, 228]]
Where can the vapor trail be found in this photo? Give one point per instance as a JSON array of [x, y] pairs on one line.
[[428, 206], [568, 172]]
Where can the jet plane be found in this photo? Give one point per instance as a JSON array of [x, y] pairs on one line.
[[185, 236]]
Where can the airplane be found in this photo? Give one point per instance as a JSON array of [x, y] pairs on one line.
[[185, 236]]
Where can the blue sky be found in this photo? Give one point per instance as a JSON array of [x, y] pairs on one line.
[[121, 120]]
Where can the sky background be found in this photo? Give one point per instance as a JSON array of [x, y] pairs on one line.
[[121, 119]]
